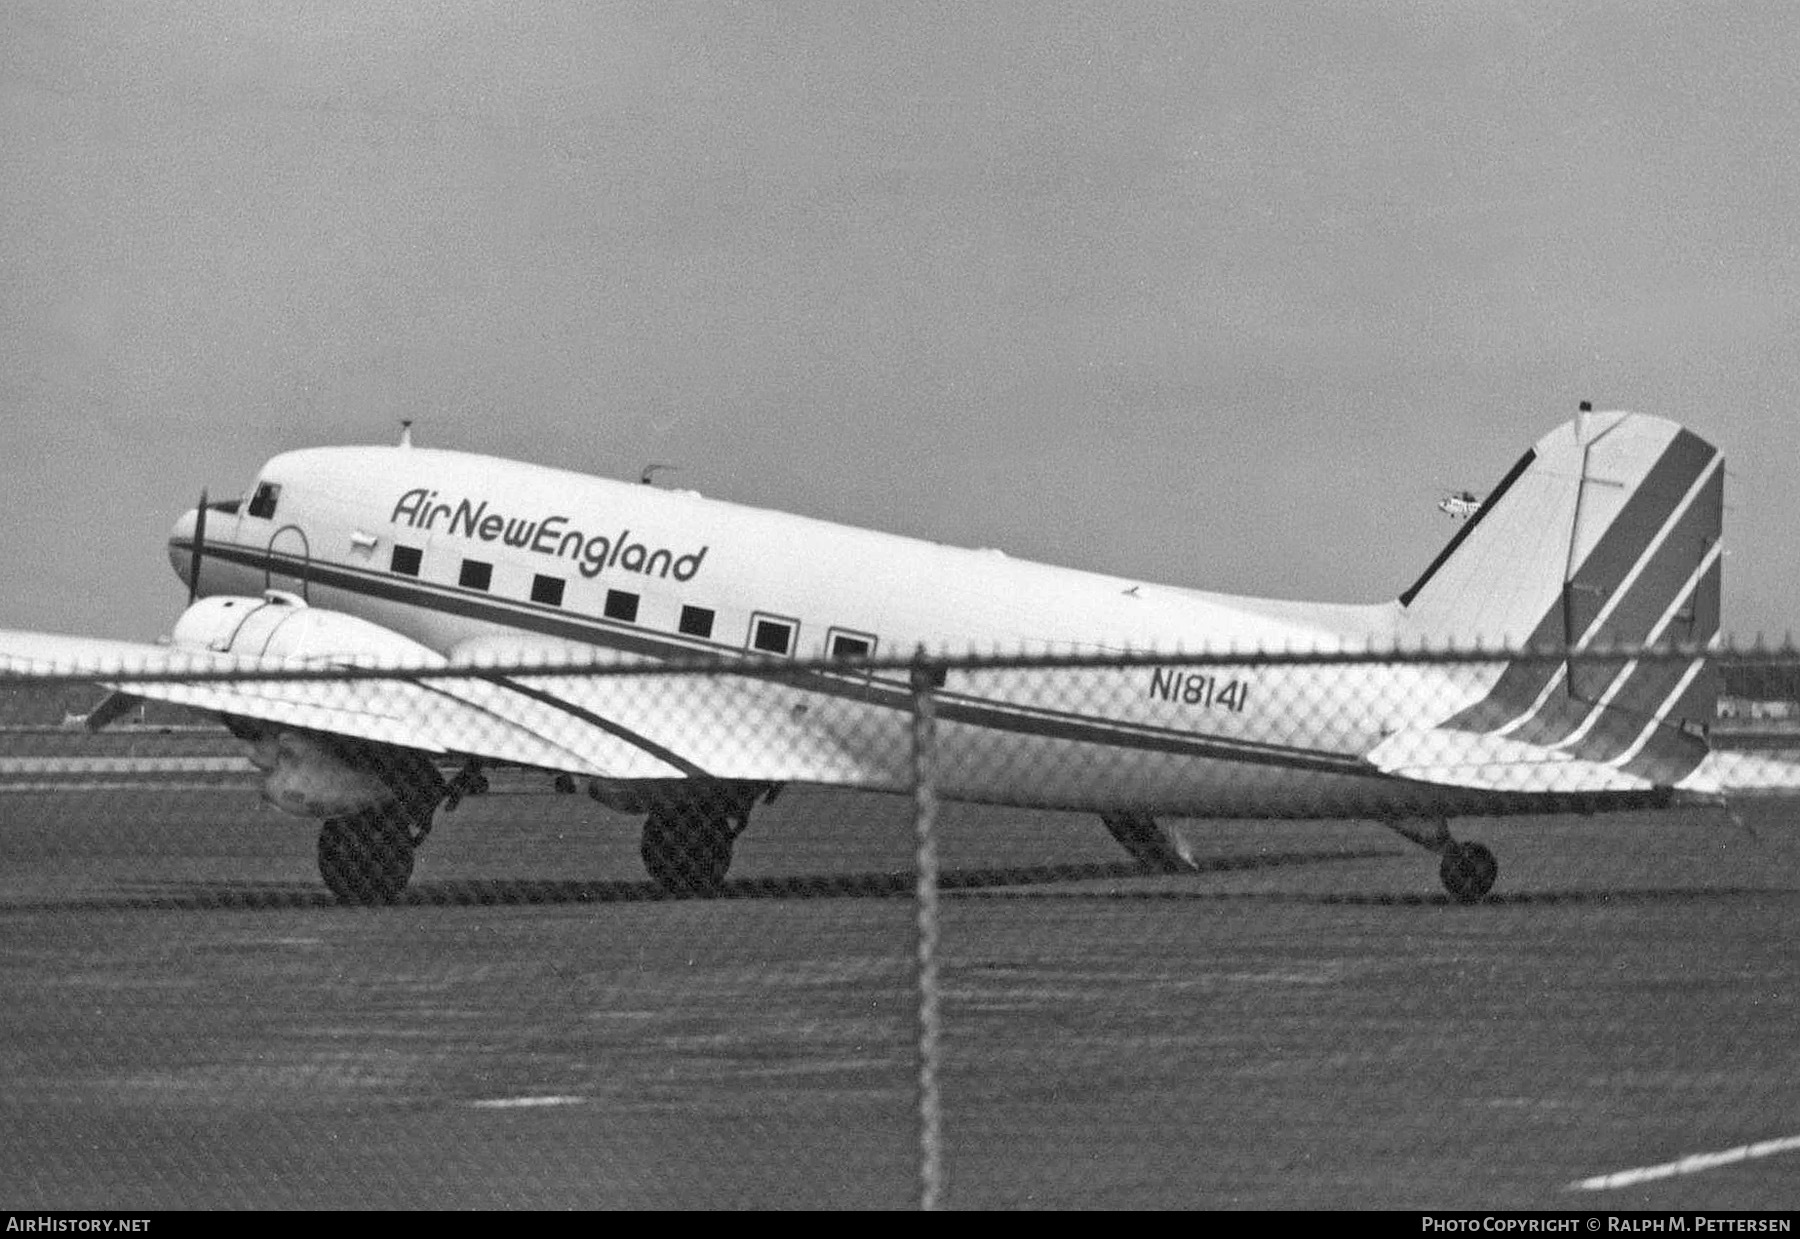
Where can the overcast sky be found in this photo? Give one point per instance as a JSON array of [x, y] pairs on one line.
[[1223, 296]]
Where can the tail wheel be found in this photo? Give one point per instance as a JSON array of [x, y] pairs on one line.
[[687, 848], [1468, 871], [1151, 844], [366, 858]]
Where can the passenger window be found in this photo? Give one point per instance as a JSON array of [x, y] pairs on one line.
[[771, 635], [696, 622], [547, 590], [845, 644], [475, 574], [262, 503], [621, 605], [406, 560]]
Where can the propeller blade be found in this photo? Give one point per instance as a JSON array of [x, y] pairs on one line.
[[199, 544]]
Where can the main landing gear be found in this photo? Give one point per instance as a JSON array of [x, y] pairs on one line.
[[1467, 870], [687, 840], [367, 858], [687, 848]]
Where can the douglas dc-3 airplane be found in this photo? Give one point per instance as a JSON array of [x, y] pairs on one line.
[[1604, 534]]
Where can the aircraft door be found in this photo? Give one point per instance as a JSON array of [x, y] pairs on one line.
[[289, 558]]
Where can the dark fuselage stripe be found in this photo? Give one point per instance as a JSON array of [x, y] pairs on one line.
[[1087, 732]]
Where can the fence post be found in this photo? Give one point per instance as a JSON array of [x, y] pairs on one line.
[[924, 773]]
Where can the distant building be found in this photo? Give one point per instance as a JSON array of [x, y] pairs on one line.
[[28, 705], [1757, 711], [1759, 692]]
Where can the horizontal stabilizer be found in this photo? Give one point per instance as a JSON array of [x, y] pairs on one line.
[[1735, 774], [1487, 762]]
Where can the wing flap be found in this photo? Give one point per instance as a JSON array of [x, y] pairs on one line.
[[742, 726], [845, 729]]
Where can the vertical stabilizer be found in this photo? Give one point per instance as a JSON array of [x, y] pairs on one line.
[[1604, 535]]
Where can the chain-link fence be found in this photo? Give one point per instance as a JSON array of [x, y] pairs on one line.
[[1120, 930]]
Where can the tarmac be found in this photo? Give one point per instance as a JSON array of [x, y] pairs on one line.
[[190, 1022]]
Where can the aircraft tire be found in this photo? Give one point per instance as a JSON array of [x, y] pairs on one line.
[[687, 849], [1468, 871], [366, 858]]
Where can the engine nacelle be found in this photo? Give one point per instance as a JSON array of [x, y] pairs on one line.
[[635, 796], [311, 775], [306, 776], [279, 625], [307, 773]]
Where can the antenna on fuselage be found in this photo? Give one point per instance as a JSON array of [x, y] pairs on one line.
[[199, 545], [406, 432], [650, 472]]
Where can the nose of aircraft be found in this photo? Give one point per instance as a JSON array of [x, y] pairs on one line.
[[181, 545]]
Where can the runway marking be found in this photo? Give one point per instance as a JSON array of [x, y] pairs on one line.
[[1688, 1165], [521, 1103], [124, 765], [122, 785]]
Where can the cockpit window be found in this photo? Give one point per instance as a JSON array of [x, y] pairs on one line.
[[262, 503]]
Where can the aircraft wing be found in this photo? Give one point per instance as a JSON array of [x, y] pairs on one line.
[[449, 715], [613, 726]]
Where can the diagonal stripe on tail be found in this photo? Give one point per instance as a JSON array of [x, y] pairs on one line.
[[1525, 689]]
